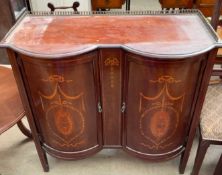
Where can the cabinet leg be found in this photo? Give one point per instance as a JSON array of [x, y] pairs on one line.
[[19, 79], [183, 161], [41, 152], [42, 156], [201, 151], [44, 160]]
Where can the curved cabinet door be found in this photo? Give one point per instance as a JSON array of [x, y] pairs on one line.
[[64, 97], [160, 96]]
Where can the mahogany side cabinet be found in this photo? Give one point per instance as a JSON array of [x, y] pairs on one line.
[[129, 80]]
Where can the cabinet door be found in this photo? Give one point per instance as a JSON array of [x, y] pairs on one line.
[[160, 96], [64, 96]]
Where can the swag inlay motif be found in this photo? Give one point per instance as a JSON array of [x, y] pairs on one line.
[[160, 114], [112, 62], [64, 113]]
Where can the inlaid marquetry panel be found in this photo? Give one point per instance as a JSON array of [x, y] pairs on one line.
[[111, 62], [65, 97], [159, 99], [159, 121]]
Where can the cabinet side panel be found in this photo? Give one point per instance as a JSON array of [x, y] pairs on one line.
[[64, 97], [160, 97], [111, 80]]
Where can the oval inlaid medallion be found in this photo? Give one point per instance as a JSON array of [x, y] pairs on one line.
[[159, 124], [63, 121]]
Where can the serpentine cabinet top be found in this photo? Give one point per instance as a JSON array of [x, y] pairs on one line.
[[174, 34]]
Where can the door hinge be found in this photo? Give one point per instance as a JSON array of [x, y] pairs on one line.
[[99, 108], [123, 108]]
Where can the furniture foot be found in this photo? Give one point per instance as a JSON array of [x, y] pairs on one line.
[[42, 157], [41, 152], [201, 151], [44, 161], [183, 162], [23, 129]]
